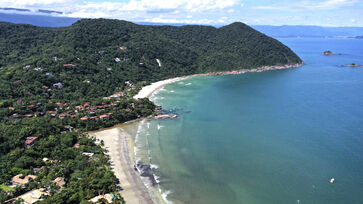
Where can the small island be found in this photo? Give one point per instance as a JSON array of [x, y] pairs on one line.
[[328, 52], [353, 65]]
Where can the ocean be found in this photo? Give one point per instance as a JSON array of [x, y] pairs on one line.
[[270, 137]]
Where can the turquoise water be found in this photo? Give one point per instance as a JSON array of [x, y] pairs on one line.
[[270, 137]]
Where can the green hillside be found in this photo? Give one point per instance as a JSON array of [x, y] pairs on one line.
[[93, 45]]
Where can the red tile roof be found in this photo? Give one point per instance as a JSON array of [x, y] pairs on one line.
[[30, 140]]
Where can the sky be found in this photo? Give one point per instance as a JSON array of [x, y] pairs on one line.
[[252, 12]]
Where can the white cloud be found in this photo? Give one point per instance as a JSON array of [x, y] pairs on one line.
[[308, 4], [31, 3], [143, 10], [176, 11], [186, 21]]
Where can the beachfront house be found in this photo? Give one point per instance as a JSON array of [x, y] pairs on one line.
[[108, 197], [33, 196]]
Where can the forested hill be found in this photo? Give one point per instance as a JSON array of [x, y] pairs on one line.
[[93, 47]]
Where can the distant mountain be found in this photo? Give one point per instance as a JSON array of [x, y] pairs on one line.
[[44, 20], [309, 31]]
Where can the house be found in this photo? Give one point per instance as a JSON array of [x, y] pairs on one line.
[[38, 69], [31, 106], [21, 180], [29, 142], [69, 128], [27, 67], [117, 95], [91, 112], [123, 48], [58, 85], [59, 104], [55, 58], [94, 118], [19, 102], [84, 118], [93, 108], [49, 75], [128, 83], [117, 59], [103, 117], [15, 115], [62, 115], [68, 65], [38, 170], [108, 197], [33, 196], [11, 108], [77, 145], [52, 113], [28, 115], [88, 154], [60, 182]]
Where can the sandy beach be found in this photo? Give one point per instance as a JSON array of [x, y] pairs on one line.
[[120, 149], [148, 91]]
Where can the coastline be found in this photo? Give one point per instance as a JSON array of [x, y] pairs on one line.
[[120, 146], [148, 91]]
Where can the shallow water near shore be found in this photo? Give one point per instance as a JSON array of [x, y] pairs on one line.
[[269, 137]]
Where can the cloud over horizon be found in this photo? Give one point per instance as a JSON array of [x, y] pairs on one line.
[[267, 12]]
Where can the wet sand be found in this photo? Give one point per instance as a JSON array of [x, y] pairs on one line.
[[120, 149]]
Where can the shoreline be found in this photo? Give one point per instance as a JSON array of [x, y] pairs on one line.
[[120, 146], [149, 90]]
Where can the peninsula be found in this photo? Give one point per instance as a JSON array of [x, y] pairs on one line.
[[57, 84]]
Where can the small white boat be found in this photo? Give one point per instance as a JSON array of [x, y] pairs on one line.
[[332, 180]]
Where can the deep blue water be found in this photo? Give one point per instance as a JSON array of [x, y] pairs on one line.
[[270, 137]]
